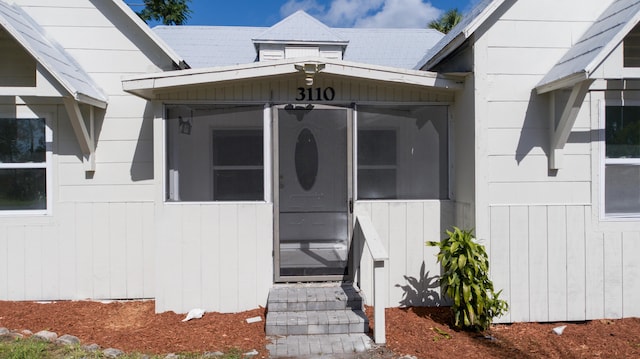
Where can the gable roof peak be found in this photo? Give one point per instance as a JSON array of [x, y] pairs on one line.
[[299, 27]]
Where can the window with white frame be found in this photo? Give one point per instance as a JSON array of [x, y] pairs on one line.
[[215, 153], [23, 164], [622, 161]]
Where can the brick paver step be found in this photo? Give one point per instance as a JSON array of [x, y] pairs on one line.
[[317, 322]]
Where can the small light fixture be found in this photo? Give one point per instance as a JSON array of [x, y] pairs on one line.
[[309, 70], [184, 126]]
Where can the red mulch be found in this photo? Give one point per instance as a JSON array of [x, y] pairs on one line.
[[412, 331], [133, 326]]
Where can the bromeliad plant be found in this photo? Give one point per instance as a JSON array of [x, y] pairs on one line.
[[465, 279]]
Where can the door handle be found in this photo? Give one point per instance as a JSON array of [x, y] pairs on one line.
[[350, 205]]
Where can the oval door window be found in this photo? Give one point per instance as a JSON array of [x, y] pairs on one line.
[[306, 159]]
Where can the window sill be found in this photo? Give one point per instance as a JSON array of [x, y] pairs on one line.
[[213, 203]]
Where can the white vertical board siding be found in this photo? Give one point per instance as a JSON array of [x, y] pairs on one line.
[[613, 289], [539, 261], [552, 267], [404, 227], [217, 257], [83, 251], [499, 255], [557, 291], [630, 274], [519, 287]]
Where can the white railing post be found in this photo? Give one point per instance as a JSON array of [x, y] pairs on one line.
[[379, 302], [380, 258]]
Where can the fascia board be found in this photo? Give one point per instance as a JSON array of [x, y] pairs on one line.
[[565, 82], [463, 35], [152, 35], [141, 84], [481, 18], [294, 42]]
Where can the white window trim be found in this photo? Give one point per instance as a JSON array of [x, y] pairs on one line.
[[604, 161], [47, 165]]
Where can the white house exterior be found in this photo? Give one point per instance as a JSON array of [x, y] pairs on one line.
[[199, 166]]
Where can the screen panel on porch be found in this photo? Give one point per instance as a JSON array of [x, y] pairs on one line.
[[403, 152], [215, 153]]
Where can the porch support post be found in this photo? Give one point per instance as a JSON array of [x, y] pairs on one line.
[[560, 133], [85, 137]]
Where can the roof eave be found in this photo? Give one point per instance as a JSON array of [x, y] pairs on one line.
[[145, 86], [300, 42], [464, 34], [446, 51], [91, 101], [561, 83]]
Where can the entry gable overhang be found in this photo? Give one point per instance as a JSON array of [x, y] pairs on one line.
[[50, 56], [575, 69], [597, 43], [147, 86]]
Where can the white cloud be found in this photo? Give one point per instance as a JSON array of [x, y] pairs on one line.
[[310, 6], [401, 13], [367, 13], [347, 12]]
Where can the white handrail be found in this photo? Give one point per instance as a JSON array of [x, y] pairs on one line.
[[380, 257]]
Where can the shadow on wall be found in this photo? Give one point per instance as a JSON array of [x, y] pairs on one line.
[[535, 130], [421, 292], [142, 164]]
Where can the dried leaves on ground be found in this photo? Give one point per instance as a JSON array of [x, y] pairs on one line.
[[133, 326]]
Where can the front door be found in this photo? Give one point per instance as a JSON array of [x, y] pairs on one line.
[[312, 193]]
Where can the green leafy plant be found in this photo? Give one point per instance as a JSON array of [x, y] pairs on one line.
[[465, 280]]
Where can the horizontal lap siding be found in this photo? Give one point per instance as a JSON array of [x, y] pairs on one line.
[[217, 257], [404, 227], [87, 250]]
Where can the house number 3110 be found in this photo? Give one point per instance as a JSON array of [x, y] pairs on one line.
[[316, 94]]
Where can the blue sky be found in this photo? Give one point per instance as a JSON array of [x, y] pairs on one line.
[[337, 13]]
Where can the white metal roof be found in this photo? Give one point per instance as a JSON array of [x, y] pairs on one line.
[[299, 27], [145, 85], [456, 37], [594, 46], [210, 46], [51, 56]]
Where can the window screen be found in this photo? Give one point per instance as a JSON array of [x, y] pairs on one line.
[[215, 153], [402, 152]]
